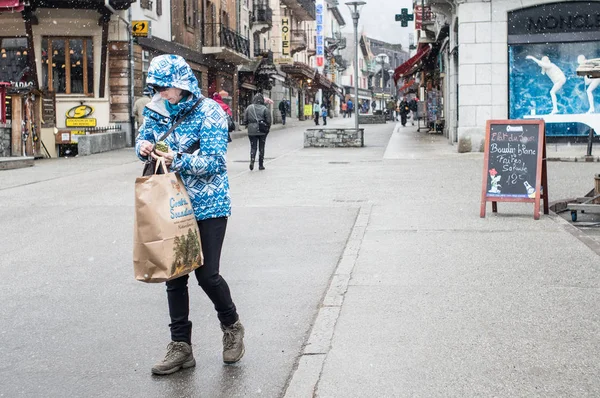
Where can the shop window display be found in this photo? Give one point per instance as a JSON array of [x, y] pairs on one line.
[[14, 67], [68, 65]]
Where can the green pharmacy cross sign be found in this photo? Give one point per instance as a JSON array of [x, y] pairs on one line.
[[404, 17]]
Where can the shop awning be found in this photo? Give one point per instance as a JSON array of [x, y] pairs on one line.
[[338, 89], [322, 81], [299, 69], [406, 67], [11, 5], [407, 85]]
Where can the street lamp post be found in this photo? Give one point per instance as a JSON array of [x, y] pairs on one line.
[[355, 7]]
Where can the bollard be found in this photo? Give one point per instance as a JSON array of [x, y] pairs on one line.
[[589, 146]]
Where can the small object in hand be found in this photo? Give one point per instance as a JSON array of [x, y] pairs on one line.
[[162, 146]]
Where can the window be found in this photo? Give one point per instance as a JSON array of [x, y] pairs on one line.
[[159, 7], [14, 66], [68, 65], [145, 65], [189, 10]]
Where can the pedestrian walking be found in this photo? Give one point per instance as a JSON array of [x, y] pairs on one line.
[[350, 107], [324, 114], [316, 110], [219, 100], [344, 107], [258, 119], [413, 106], [138, 107], [404, 111], [373, 105], [196, 149], [283, 108]]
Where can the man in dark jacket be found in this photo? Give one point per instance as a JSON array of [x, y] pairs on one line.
[[256, 115], [283, 109], [404, 111]]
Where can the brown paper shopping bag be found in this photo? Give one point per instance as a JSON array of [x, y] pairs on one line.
[[166, 241]]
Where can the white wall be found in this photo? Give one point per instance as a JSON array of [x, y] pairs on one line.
[[159, 26]]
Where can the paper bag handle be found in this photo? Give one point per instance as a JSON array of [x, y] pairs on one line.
[[160, 161]]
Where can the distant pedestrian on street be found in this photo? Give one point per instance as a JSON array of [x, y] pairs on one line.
[[138, 107], [217, 97], [316, 110], [404, 111], [350, 106], [324, 114], [283, 108], [203, 125], [344, 107], [373, 106], [413, 106], [391, 108], [258, 119]]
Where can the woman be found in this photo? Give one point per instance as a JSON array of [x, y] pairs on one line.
[[197, 148], [217, 97], [255, 114]]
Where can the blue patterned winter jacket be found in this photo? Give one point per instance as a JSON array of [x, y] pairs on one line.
[[204, 172]]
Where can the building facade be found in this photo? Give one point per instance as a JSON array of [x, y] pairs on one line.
[[516, 60], [64, 75]]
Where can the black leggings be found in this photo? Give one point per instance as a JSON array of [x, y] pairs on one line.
[[212, 233], [259, 140]]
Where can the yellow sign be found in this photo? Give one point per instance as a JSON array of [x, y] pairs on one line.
[[284, 61], [87, 122], [81, 111], [140, 28], [285, 38], [308, 110]]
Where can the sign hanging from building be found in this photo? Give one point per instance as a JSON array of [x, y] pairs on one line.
[[286, 56], [320, 50], [140, 28]]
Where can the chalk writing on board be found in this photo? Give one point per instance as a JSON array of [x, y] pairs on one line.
[[512, 162]]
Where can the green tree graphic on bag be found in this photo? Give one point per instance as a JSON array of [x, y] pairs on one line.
[[187, 252]]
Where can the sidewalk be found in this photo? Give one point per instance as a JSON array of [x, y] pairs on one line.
[[430, 300]]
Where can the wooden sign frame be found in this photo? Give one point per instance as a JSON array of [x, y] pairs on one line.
[[541, 178]]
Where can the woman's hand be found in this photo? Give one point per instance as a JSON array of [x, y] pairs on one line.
[[146, 148], [168, 156]]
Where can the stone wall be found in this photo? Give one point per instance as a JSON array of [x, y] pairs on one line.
[[5, 138], [101, 142], [333, 138], [371, 119]]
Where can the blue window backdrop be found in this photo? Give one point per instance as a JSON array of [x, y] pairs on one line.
[[529, 89]]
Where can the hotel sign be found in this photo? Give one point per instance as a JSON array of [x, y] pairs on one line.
[[285, 38], [319, 30]]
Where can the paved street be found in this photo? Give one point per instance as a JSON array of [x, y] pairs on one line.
[[357, 272]]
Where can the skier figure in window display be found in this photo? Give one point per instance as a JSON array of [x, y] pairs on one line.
[[591, 84], [555, 74]]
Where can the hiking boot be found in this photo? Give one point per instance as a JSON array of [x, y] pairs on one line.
[[179, 356], [252, 165], [233, 342], [261, 166]]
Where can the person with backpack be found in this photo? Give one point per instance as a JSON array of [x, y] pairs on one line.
[[196, 140], [283, 108], [350, 106], [258, 119], [324, 114]]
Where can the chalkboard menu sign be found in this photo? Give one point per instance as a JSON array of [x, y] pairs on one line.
[[514, 167]]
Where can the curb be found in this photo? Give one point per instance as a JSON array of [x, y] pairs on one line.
[[305, 377], [585, 159]]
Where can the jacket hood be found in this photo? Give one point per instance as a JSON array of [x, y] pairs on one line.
[[217, 97], [172, 71], [258, 99]]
